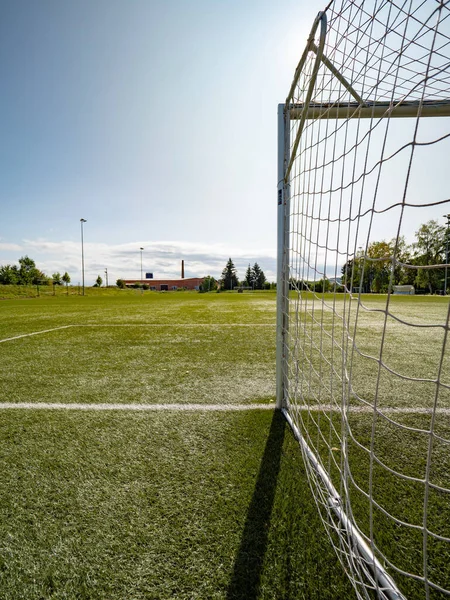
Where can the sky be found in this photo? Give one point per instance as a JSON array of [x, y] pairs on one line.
[[153, 120], [156, 122]]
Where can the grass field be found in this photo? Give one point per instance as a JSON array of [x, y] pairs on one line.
[[164, 504], [391, 370], [125, 504]]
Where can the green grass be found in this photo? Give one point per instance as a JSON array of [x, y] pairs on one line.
[[212, 364], [149, 348], [122, 504], [152, 505], [387, 453], [408, 351]]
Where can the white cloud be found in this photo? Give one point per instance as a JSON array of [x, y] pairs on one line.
[[10, 247], [163, 259]]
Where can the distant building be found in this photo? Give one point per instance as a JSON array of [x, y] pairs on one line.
[[168, 285]]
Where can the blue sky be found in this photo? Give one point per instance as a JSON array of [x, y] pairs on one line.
[[155, 121]]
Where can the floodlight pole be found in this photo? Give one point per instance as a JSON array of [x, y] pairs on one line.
[[106, 275], [141, 262], [82, 251], [446, 252]]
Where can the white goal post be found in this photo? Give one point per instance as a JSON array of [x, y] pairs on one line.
[[360, 159]]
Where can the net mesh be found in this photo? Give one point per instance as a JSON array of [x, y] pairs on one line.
[[366, 376]]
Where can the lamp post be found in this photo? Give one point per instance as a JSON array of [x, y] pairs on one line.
[[106, 275], [446, 251], [141, 262], [82, 251]]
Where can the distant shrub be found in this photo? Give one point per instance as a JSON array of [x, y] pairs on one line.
[[121, 284]]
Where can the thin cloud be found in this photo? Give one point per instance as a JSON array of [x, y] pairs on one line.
[[163, 259], [10, 247]]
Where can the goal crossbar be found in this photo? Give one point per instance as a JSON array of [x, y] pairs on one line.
[[358, 110], [370, 110]]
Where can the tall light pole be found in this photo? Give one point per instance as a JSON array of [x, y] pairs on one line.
[[82, 251], [106, 275], [141, 262], [446, 251]]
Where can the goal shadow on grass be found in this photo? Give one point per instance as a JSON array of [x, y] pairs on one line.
[[248, 565]]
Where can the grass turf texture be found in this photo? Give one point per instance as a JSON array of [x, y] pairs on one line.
[[408, 351], [386, 448], [395, 452], [149, 348], [138, 505], [83, 544]]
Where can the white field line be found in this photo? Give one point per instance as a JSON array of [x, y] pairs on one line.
[[24, 335], [198, 407], [177, 325], [137, 407], [399, 410]]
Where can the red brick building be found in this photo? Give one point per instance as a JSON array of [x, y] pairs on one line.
[[168, 285]]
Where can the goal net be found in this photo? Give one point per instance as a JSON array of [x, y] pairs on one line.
[[363, 356]]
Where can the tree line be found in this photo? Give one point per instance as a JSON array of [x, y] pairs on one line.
[[370, 270], [373, 270], [254, 279], [26, 273]]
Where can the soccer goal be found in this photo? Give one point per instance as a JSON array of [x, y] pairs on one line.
[[363, 375]]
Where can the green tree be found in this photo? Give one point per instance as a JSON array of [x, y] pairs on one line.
[[352, 272], [98, 282], [229, 277], [349, 270], [429, 249], [377, 272], [248, 281], [9, 275], [28, 273], [259, 278], [403, 254], [57, 279], [66, 279], [121, 284], [209, 284]]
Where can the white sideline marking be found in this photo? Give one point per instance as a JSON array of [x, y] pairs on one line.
[[407, 410], [17, 337], [177, 325], [137, 407], [199, 407]]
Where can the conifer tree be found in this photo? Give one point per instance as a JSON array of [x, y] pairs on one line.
[[248, 277], [229, 276], [259, 278]]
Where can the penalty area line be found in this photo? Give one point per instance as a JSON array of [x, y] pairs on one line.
[[135, 407]]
